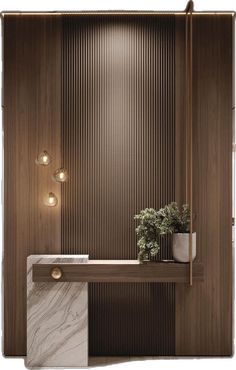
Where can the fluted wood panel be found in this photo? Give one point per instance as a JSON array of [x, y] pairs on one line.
[[118, 145]]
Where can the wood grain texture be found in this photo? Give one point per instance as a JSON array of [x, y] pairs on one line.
[[120, 273], [118, 145], [117, 129], [204, 311], [127, 104], [31, 124]]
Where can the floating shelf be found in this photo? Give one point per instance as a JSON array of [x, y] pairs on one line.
[[120, 271]]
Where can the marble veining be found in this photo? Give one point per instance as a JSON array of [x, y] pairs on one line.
[[57, 318]]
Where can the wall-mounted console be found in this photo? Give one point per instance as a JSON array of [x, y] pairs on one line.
[[57, 301], [120, 271]]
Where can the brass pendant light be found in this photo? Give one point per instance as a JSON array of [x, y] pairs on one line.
[[50, 199], [43, 159], [60, 175]]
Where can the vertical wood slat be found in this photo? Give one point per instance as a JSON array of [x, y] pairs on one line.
[[118, 145], [31, 124], [206, 308]]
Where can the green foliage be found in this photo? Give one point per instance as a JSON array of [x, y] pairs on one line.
[[172, 220], [153, 224], [147, 233]]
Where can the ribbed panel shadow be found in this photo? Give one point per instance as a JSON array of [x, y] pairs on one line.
[[118, 145]]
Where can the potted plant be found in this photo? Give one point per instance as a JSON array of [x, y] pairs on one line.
[[148, 234], [173, 221]]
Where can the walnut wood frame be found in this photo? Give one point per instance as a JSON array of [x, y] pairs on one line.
[[160, 272]]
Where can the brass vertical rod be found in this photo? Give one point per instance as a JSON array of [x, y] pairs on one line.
[[189, 136], [186, 108], [191, 151]]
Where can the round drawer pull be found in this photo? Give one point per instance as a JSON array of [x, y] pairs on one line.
[[56, 273]]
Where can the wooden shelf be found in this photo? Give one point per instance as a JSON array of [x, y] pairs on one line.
[[120, 271]]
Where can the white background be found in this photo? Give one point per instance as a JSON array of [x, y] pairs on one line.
[[223, 5]]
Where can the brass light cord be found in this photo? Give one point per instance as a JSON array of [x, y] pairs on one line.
[[189, 135]]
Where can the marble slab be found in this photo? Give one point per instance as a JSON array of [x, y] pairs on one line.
[[57, 318]]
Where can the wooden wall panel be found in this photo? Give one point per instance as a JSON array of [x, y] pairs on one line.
[[204, 311], [31, 110], [118, 145], [123, 143]]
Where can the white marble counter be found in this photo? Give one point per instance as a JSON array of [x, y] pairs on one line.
[[57, 318]]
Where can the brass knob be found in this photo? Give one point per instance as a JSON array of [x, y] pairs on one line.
[[56, 273]]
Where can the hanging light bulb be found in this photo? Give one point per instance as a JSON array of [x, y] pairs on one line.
[[60, 175], [43, 159], [50, 200]]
